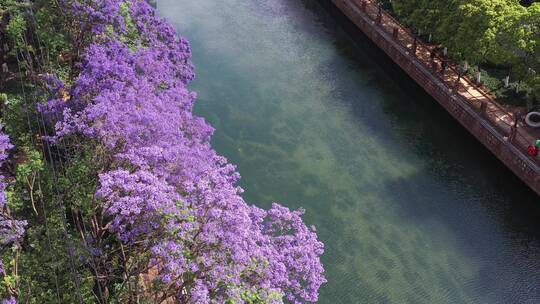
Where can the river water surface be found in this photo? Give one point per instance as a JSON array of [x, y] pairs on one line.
[[410, 207]]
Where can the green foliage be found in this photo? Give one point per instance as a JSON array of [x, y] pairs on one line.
[[44, 264], [499, 32], [47, 273], [15, 28], [258, 297], [16, 25], [52, 37], [79, 181], [132, 34]]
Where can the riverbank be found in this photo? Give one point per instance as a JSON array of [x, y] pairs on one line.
[[469, 104], [100, 118]]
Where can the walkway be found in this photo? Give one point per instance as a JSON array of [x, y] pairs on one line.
[[474, 94]]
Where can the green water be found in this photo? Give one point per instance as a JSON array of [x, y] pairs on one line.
[[410, 207]]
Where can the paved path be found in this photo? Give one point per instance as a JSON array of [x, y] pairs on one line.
[[475, 95]]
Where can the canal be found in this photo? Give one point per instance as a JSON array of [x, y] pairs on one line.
[[410, 207]]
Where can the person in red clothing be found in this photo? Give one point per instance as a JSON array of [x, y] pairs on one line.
[[533, 150]]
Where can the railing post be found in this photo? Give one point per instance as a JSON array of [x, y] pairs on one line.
[[483, 108], [395, 33], [434, 66], [517, 118], [478, 77], [379, 15], [414, 46], [512, 135], [456, 84], [363, 5]]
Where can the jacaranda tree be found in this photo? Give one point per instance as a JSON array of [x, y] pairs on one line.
[[166, 221]]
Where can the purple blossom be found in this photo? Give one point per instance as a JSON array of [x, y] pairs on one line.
[[10, 300], [11, 230], [95, 15], [172, 191], [5, 145]]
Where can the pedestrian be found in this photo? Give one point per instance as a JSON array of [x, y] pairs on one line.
[[517, 118], [459, 74], [443, 66], [513, 132], [532, 150]]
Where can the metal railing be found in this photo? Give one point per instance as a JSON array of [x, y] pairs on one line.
[[476, 96]]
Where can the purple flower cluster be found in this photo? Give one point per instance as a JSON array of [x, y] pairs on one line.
[[167, 190], [5, 145], [96, 15], [10, 300], [11, 230]]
